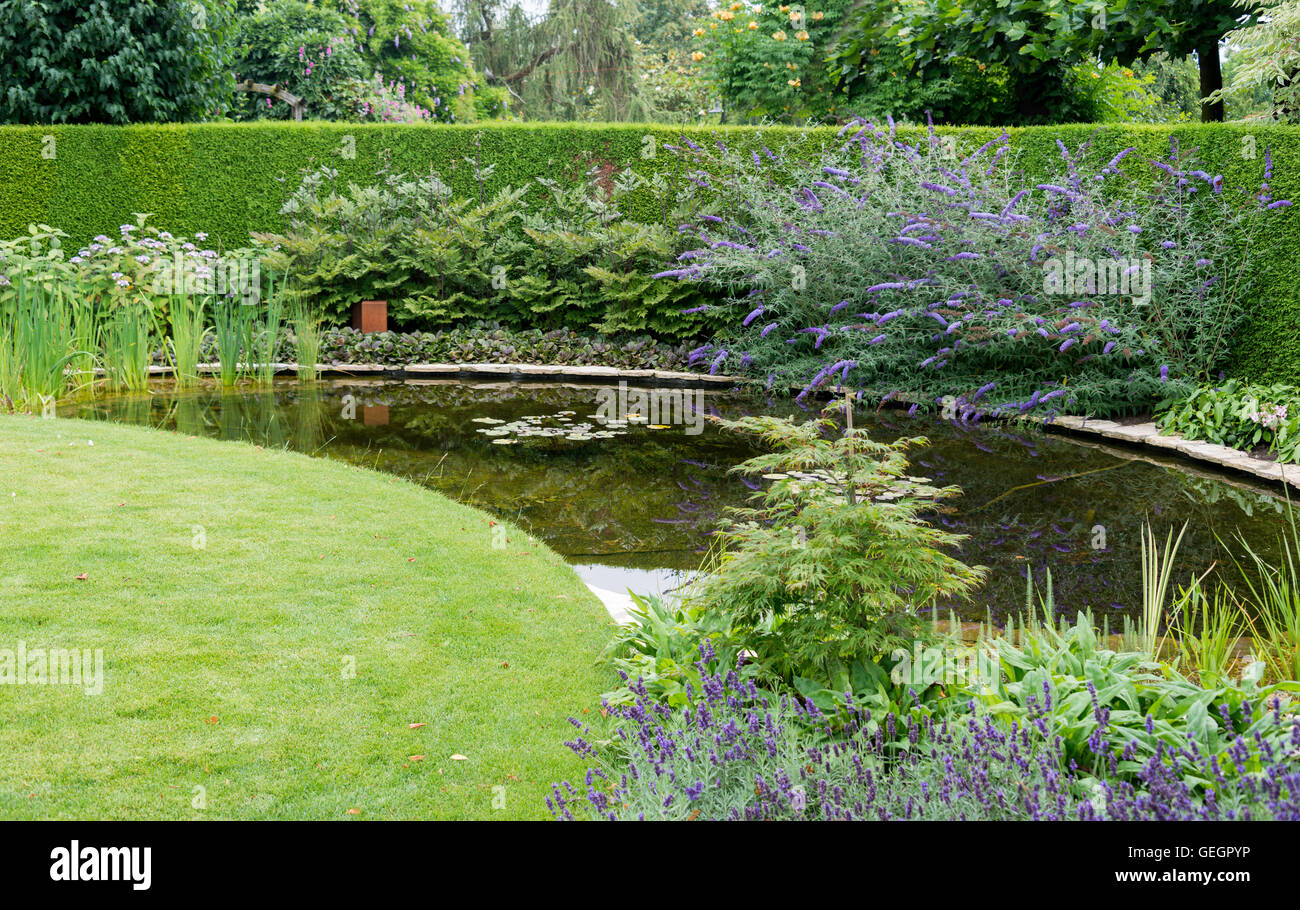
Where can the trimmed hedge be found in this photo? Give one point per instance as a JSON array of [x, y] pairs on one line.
[[227, 179]]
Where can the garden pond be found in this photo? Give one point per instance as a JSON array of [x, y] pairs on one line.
[[631, 503]]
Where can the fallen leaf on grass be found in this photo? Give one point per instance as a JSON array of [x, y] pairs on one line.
[[415, 725], [83, 576], [415, 758], [354, 812], [459, 757]]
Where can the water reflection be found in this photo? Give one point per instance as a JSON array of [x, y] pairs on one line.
[[637, 509]]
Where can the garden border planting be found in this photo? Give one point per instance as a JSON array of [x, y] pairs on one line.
[[216, 178]]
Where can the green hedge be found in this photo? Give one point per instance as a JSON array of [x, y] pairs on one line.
[[227, 179]]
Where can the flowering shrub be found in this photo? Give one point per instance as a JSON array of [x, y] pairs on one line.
[[141, 266], [914, 271], [1237, 414], [735, 753], [411, 42], [304, 48]]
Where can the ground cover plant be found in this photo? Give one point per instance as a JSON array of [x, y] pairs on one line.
[[1239, 414], [231, 616]]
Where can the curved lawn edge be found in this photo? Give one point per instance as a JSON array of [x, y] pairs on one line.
[[273, 628]]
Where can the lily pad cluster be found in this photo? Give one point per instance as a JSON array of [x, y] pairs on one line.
[[562, 426], [908, 485]]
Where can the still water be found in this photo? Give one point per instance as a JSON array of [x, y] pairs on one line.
[[633, 504]]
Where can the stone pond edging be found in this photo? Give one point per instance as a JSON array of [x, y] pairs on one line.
[[483, 370], [1148, 435]]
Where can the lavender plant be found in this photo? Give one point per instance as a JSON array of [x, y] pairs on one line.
[[911, 271], [734, 753]]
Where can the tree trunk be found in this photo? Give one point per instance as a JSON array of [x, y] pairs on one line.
[[1207, 57]]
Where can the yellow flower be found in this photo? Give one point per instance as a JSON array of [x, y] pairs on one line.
[[713, 25], [697, 56], [783, 8], [726, 15], [801, 35], [792, 66], [737, 5], [698, 32], [817, 17], [779, 36], [752, 26], [794, 82]]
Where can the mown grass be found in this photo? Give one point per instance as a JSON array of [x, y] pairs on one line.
[[229, 588]]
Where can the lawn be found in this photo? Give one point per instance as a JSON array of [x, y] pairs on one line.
[[283, 637]]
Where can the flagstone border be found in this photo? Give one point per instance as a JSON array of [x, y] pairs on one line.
[[1148, 435]]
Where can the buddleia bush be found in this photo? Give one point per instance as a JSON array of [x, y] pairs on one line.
[[943, 275]]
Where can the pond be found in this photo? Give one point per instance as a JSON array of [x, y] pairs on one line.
[[632, 502]]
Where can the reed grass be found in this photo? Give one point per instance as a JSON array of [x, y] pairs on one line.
[[1157, 568], [269, 333], [1272, 610], [187, 314], [126, 335], [306, 321], [1204, 632], [232, 323]]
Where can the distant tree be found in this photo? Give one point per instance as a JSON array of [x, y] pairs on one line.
[[575, 62], [1265, 63], [114, 61], [663, 23], [1039, 40]]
